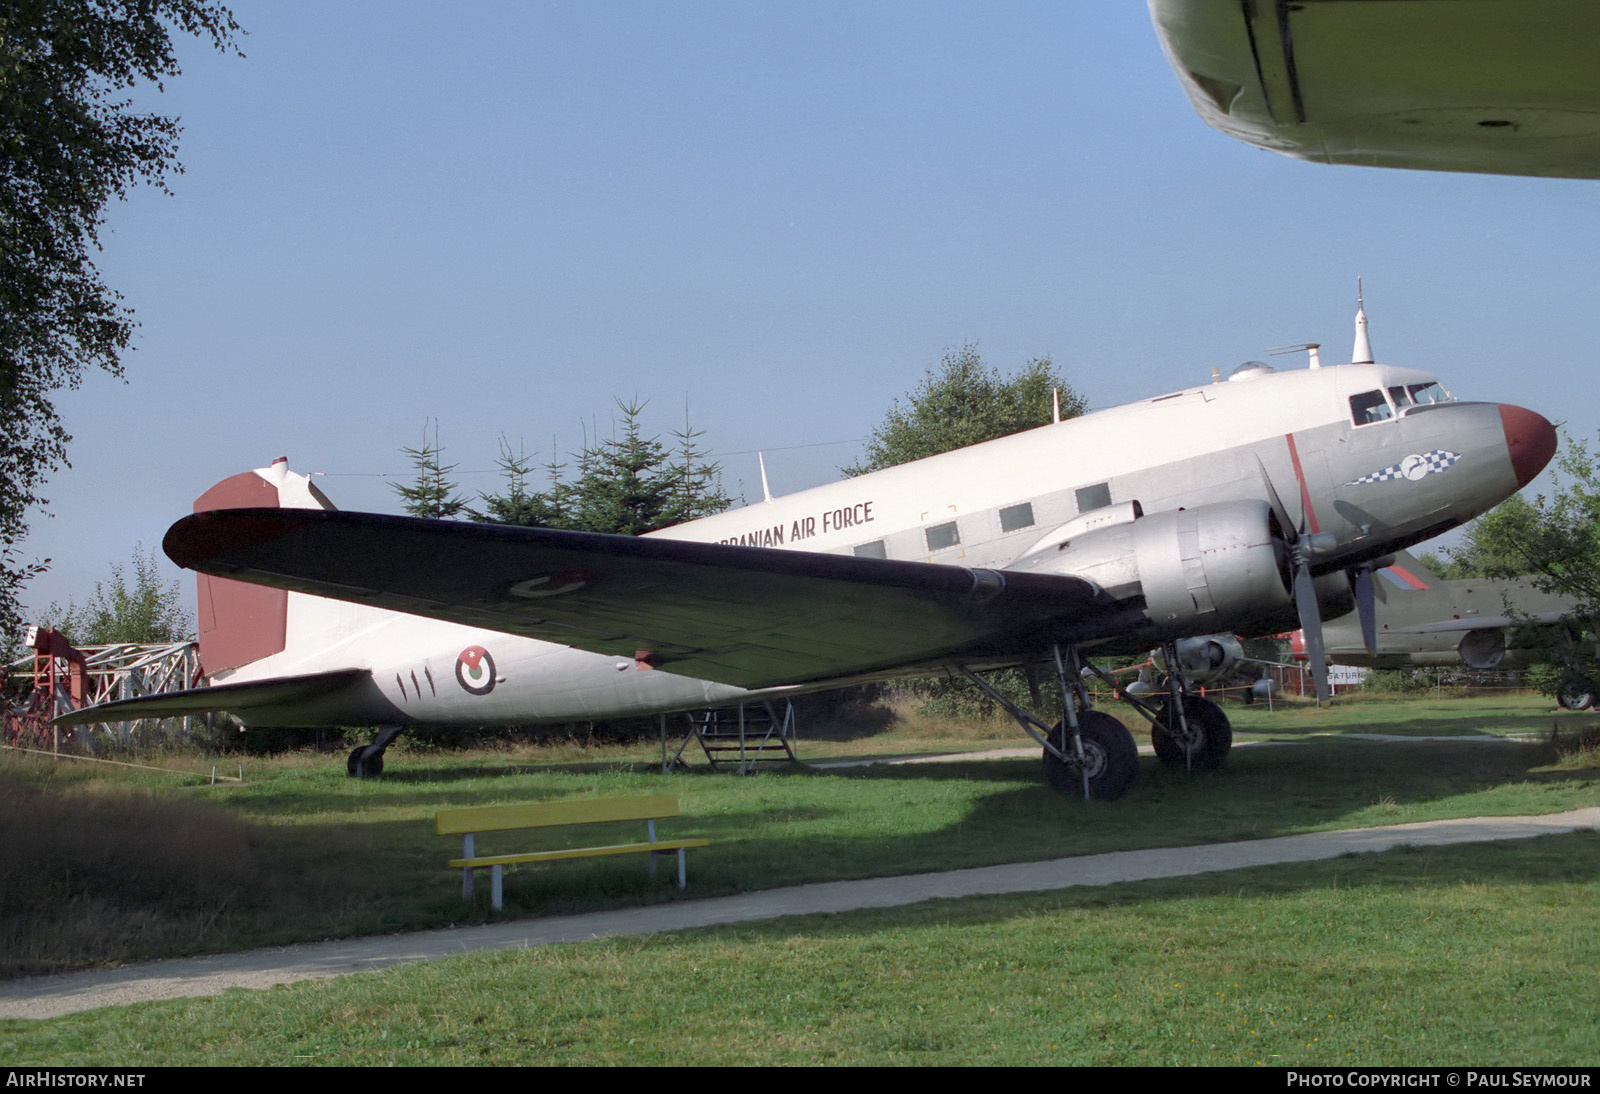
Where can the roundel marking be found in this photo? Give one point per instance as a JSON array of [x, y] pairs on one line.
[[553, 584], [475, 670]]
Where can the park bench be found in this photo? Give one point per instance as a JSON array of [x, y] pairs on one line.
[[467, 823]]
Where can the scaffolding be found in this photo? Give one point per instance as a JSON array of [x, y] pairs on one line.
[[54, 677]]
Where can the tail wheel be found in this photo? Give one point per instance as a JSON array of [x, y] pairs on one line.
[[1210, 735], [1110, 758], [364, 768]]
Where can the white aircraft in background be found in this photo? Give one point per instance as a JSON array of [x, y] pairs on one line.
[[1232, 508], [1496, 86]]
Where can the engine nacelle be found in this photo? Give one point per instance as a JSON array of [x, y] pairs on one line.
[[1212, 569], [1203, 658]]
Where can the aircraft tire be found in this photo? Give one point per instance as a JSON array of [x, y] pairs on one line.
[[1575, 694], [1111, 755], [367, 768], [1206, 719]]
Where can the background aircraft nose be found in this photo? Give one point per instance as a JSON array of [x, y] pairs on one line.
[[1530, 439]]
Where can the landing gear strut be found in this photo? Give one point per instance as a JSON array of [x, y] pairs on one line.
[[1088, 752], [366, 761]]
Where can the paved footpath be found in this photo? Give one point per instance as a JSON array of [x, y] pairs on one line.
[[47, 997]]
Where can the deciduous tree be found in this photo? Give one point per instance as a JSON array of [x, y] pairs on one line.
[[962, 402], [138, 610], [1555, 542], [71, 141]]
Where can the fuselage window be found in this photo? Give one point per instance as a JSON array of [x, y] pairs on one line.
[[1013, 517], [1369, 407], [1097, 496], [875, 549], [943, 535]]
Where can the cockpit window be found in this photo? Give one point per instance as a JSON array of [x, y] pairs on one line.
[[1401, 399], [1369, 407], [1422, 394]]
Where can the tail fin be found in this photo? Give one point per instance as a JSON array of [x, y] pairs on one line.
[[240, 623]]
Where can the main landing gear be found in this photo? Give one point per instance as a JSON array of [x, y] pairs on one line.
[[1575, 694], [1090, 753], [1109, 763], [1187, 730], [366, 761], [1194, 734]]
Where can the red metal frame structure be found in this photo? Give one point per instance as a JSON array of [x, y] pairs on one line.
[[61, 678], [60, 683]]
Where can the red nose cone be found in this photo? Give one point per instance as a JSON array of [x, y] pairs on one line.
[[1530, 440]]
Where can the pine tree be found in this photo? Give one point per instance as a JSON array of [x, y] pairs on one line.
[[694, 484], [519, 505], [620, 487], [430, 494], [626, 485]]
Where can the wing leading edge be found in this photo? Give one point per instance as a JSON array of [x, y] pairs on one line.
[[746, 616]]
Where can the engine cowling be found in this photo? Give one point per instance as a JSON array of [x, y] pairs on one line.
[[1211, 569], [1203, 658]]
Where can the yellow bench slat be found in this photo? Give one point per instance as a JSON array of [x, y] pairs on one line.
[[574, 852], [498, 818]]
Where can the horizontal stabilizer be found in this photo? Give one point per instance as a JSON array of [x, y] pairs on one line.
[[241, 699], [747, 616]]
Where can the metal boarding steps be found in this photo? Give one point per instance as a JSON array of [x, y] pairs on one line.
[[741, 736]]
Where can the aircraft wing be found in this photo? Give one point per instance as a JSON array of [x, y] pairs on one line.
[[746, 616], [243, 698], [1478, 623], [1469, 85]]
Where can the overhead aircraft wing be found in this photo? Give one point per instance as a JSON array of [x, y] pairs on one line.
[[242, 699], [1469, 85], [746, 616]]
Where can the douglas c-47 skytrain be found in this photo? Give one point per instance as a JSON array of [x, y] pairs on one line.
[[1251, 506]]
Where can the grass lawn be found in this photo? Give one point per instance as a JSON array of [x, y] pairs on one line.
[[1477, 955], [104, 865], [1481, 954]]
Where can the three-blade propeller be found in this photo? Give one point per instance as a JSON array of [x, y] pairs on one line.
[[1303, 547]]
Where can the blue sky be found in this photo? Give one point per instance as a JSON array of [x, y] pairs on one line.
[[506, 215]]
